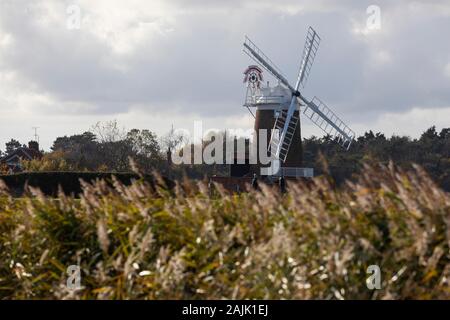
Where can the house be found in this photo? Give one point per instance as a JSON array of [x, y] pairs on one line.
[[13, 160]]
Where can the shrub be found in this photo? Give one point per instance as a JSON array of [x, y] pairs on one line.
[[53, 161]]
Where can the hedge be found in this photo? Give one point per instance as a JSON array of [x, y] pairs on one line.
[[49, 182]]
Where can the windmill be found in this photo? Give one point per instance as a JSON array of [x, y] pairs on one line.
[[285, 102]]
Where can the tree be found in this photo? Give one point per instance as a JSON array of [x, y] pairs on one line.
[[80, 151], [173, 140], [143, 142], [12, 146], [110, 148], [429, 134], [444, 134], [145, 149], [108, 131], [69, 143], [431, 151], [113, 148]]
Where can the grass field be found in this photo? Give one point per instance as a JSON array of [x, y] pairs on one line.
[[315, 242]]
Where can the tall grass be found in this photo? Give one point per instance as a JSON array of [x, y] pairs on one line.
[[315, 242]]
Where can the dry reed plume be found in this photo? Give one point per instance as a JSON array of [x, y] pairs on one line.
[[315, 242]]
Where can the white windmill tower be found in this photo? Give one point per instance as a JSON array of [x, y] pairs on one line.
[[285, 101]]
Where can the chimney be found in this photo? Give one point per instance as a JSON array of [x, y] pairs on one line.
[[33, 145], [169, 157]]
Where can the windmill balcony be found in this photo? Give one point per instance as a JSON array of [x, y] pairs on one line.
[[252, 101]]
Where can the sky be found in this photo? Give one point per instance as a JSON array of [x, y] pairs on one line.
[[151, 64]]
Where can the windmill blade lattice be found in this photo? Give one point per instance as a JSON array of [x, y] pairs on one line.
[[325, 119], [259, 57], [309, 54]]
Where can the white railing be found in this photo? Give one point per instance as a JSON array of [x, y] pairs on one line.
[[255, 100], [296, 172]]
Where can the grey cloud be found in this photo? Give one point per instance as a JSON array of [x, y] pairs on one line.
[[197, 68]]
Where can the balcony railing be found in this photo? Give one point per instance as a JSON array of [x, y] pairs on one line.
[[258, 100], [296, 172]]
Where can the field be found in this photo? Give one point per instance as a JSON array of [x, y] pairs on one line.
[[315, 242]]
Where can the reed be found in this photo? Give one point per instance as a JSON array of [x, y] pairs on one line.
[[315, 242]]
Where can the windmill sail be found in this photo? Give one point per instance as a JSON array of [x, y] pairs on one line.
[[256, 54], [280, 150], [309, 54], [326, 120], [280, 145]]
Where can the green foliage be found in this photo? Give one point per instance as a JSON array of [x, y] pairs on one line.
[[108, 149], [316, 242], [11, 146], [431, 151]]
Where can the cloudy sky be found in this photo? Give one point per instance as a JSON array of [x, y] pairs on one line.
[[154, 63]]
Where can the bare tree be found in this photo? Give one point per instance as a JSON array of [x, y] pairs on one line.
[[109, 131], [173, 140]]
